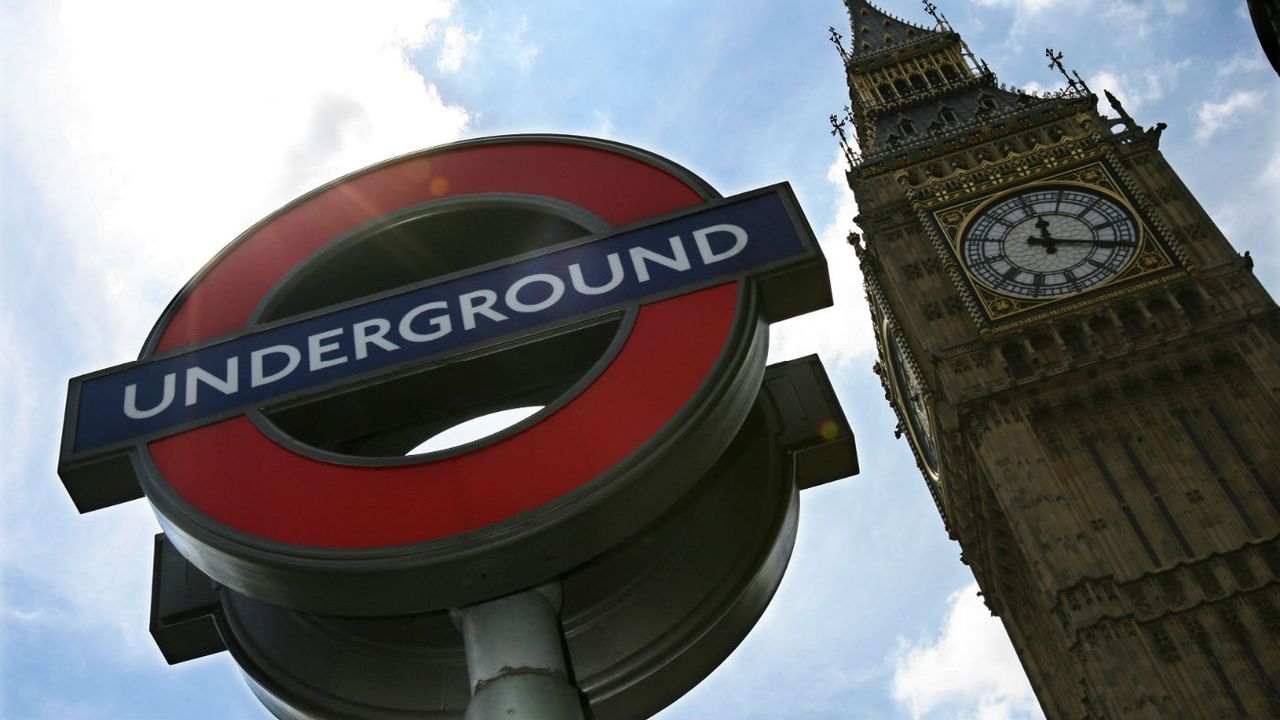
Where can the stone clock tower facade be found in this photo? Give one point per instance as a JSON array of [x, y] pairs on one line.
[[1088, 374]]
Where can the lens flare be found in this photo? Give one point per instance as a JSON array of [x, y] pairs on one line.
[[829, 430]]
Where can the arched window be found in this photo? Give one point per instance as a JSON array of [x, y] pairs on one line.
[[948, 116], [933, 77], [906, 126], [886, 92], [1163, 313], [1015, 358], [1103, 329], [1073, 339], [949, 72], [1045, 348], [1191, 304], [986, 106], [1132, 322], [902, 87], [918, 83]]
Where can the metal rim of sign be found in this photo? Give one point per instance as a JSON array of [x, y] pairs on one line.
[[531, 542]]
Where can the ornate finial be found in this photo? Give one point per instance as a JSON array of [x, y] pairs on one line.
[[1128, 122], [855, 240], [1074, 81], [1115, 103], [937, 16], [839, 43], [837, 129], [1055, 62], [1081, 81]]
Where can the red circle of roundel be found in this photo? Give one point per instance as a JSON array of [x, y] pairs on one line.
[[233, 473]]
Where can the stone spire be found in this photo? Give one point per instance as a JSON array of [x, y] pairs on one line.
[[875, 30], [912, 87]]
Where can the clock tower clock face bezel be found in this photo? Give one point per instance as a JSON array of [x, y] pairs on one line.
[[1049, 241], [912, 399]]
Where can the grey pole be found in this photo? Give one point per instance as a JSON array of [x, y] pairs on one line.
[[515, 658]]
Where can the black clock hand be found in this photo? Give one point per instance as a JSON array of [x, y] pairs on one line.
[[1033, 240], [1045, 238]]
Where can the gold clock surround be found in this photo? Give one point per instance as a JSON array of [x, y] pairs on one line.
[[947, 204]]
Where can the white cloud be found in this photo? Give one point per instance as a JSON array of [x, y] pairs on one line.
[[1031, 17], [1021, 6], [154, 133], [1271, 174], [605, 128], [164, 129], [1138, 88], [1140, 18], [1215, 117], [523, 50], [453, 48], [1039, 89], [17, 392], [1022, 18], [840, 333], [969, 671], [1243, 62], [1268, 184], [1132, 16]]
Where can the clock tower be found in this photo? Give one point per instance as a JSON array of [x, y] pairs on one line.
[[1086, 370]]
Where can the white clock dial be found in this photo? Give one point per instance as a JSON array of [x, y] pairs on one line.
[[1049, 242], [911, 393]]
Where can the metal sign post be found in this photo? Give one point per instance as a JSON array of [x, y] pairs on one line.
[[514, 658]]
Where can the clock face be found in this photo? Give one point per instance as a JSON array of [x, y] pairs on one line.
[[911, 392], [1049, 242]]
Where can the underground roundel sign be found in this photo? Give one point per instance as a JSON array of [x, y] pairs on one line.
[[269, 416]]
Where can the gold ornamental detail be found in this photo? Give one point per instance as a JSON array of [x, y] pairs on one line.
[[1017, 167]]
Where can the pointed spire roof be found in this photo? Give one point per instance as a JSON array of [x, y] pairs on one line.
[[950, 94], [875, 30]]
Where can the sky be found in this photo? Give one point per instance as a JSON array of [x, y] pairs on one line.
[[138, 138]]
